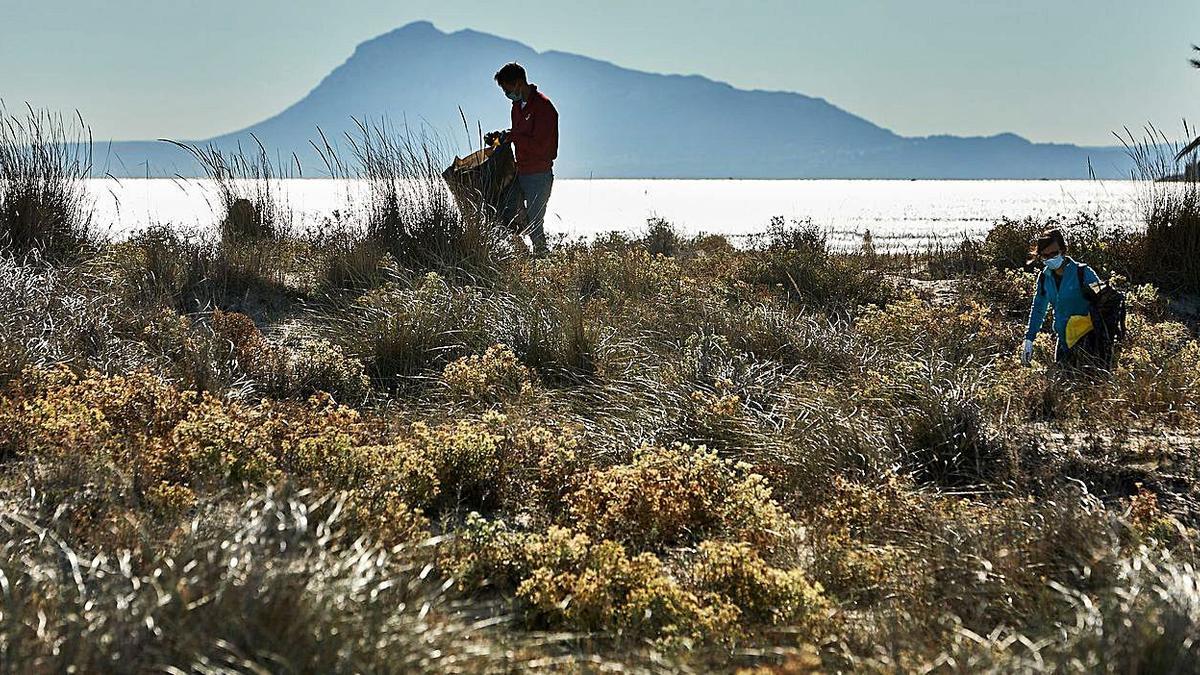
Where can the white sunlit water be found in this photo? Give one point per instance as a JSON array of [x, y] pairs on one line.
[[896, 212]]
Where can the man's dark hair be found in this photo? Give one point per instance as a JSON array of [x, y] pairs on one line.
[[1051, 236], [511, 73]]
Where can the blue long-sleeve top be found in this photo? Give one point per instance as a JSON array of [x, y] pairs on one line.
[[1066, 297]]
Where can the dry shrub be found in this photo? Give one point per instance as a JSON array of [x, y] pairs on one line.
[[599, 587], [251, 351], [317, 365], [763, 595], [1006, 245], [492, 377], [311, 366], [661, 238], [1173, 236], [1157, 371], [190, 353], [162, 267], [796, 260], [675, 496], [1010, 291], [156, 266], [774, 333], [967, 331], [568, 580], [1151, 525], [860, 535], [563, 341], [485, 464], [153, 439], [383, 485]]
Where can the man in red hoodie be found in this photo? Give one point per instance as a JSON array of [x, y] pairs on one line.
[[534, 134]]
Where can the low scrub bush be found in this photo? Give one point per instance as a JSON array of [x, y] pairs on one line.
[[661, 238], [160, 266], [312, 365], [797, 261], [434, 469], [1157, 371], [149, 432], [316, 365], [675, 496], [492, 377], [959, 334], [568, 580], [1006, 245], [402, 332]]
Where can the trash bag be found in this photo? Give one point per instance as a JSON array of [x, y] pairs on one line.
[[485, 186]]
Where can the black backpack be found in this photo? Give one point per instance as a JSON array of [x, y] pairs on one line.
[[1107, 307]]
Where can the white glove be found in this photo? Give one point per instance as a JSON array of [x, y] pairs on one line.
[[1027, 352]]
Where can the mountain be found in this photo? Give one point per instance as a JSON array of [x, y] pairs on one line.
[[617, 122]]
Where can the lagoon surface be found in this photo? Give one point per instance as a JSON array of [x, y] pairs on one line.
[[896, 212]]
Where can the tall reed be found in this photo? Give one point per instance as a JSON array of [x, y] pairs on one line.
[[44, 203], [409, 211], [1171, 209], [250, 198]]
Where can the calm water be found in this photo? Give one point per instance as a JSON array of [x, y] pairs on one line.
[[899, 211]]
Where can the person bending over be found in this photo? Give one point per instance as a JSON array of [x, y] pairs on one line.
[[1067, 286], [534, 135]]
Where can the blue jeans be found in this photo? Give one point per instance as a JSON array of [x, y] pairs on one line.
[[536, 187]]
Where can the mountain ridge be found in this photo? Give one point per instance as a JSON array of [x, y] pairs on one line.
[[618, 122]]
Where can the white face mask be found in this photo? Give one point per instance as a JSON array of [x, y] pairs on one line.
[[513, 96], [1053, 263]]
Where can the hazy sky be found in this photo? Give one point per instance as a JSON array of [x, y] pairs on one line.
[[1050, 70]]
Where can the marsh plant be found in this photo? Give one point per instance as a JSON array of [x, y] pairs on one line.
[[1171, 210], [250, 203], [45, 208], [408, 211]]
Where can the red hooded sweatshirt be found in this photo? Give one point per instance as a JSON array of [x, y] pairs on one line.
[[534, 133]]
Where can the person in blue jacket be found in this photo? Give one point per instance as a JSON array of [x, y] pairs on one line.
[[1058, 286]]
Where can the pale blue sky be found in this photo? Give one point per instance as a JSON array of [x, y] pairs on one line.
[[1050, 70]]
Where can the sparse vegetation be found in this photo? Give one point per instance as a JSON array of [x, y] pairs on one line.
[[358, 453]]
